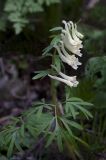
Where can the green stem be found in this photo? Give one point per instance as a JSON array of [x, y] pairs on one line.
[[53, 92], [53, 89], [58, 109]]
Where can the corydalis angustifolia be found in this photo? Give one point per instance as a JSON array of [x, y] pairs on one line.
[[68, 48]]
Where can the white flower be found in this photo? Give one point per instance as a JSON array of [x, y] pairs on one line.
[[66, 58], [74, 61], [81, 36], [70, 81], [76, 35], [70, 43], [71, 38]]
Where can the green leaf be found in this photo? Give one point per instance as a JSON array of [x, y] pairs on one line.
[[74, 99], [81, 141], [70, 108], [18, 27], [57, 62], [22, 130], [17, 145], [39, 112], [11, 146], [56, 29], [9, 7], [32, 130], [73, 103], [66, 126], [39, 103], [79, 101], [84, 111], [59, 140], [55, 40], [47, 49], [41, 74], [74, 124], [35, 7], [50, 139]]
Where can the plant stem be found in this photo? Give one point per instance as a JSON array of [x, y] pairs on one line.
[[58, 108], [53, 93], [53, 87]]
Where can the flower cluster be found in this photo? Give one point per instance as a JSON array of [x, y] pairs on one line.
[[68, 48]]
